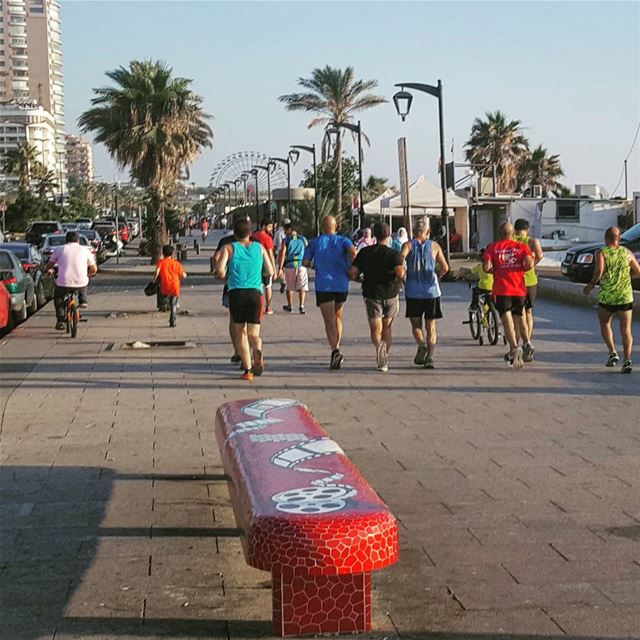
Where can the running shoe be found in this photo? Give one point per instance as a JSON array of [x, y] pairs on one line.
[[518, 361], [269, 311], [614, 359], [282, 286], [83, 305], [302, 310], [421, 354], [235, 358], [428, 363], [627, 366], [382, 361], [258, 363], [287, 308], [336, 359], [527, 352], [247, 375], [61, 325]]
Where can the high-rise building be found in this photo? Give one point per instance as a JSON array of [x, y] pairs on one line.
[[31, 63], [79, 159]]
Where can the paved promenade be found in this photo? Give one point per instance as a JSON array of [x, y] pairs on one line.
[[518, 493]]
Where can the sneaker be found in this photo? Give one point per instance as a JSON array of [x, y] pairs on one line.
[[287, 308], [527, 352], [613, 360], [269, 311], [428, 363], [421, 354], [627, 366], [382, 361], [235, 358], [83, 305], [61, 325], [247, 375], [518, 361], [172, 323], [302, 310], [336, 360], [282, 287], [258, 363]]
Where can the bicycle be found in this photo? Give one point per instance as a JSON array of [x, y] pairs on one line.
[[483, 320], [72, 312]]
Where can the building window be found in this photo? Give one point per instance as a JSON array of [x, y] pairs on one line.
[[567, 210]]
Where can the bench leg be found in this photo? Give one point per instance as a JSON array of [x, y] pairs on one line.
[[304, 604]]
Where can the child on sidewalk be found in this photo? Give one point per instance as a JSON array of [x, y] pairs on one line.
[[169, 271]]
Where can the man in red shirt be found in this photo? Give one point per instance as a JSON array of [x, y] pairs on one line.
[[508, 260], [265, 238], [169, 271]]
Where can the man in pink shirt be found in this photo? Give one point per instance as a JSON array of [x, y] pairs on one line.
[[75, 265]]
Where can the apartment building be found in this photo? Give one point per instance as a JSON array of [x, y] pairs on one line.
[[31, 65], [79, 159]]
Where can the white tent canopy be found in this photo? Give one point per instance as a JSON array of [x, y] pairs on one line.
[[373, 208], [422, 195]]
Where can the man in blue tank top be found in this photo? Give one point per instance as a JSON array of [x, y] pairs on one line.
[[331, 256], [242, 264], [422, 289]]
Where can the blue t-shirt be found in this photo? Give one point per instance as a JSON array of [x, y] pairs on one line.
[[330, 256], [296, 246]]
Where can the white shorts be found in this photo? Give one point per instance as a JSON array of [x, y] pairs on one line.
[[296, 279]]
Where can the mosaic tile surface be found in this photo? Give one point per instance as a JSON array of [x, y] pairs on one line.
[[307, 515]]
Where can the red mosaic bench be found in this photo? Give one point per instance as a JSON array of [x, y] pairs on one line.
[[305, 514]]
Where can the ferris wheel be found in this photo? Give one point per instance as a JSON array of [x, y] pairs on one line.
[[240, 164]]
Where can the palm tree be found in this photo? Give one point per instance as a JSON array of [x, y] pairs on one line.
[[20, 162], [374, 187], [498, 141], [335, 95], [152, 124], [46, 180], [541, 169]]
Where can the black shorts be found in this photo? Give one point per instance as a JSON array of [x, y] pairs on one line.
[[245, 305], [427, 307], [515, 304], [339, 297], [532, 294], [614, 308]]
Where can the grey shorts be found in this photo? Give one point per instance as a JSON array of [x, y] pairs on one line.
[[382, 308]]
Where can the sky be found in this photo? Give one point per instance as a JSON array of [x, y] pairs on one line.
[[568, 71]]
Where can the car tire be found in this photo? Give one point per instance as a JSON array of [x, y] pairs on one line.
[[33, 305], [22, 313], [40, 295]]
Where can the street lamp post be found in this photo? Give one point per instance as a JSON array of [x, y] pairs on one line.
[[267, 168], [254, 173], [244, 177], [356, 128], [295, 154], [286, 161], [235, 191], [402, 100]]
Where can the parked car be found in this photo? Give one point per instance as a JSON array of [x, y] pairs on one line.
[[69, 226], [20, 286], [55, 240], [95, 240], [579, 261], [5, 308], [83, 223], [33, 263], [37, 230]]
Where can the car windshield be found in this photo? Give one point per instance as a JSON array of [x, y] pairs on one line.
[[632, 234], [5, 261], [45, 228], [56, 241], [20, 252]]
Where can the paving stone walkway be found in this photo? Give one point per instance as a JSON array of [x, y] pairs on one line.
[[518, 493]]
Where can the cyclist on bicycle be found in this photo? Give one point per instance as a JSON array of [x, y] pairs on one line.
[[75, 265], [484, 285]]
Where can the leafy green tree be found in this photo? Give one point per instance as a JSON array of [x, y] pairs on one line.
[[373, 187], [498, 141], [153, 124], [21, 162], [335, 95], [539, 168], [27, 208]]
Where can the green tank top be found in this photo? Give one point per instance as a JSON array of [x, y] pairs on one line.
[[615, 284], [530, 277]]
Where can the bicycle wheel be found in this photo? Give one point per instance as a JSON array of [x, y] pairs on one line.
[[474, 323], [68, 316], [75, 318], [493, 328]]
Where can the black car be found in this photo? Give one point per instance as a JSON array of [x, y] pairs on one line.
[[33, 263], [579, 261], [37, 230]]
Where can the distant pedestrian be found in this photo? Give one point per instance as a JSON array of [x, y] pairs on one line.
[[278, 239], [265, 238], [228, 239], [367, 239], [291, 269], [169, 273], [521, 228], [242, 263], [204, 227], [614, 264], [508, 260], [422, 292], [383, 271], [401, 237], [331, 256]]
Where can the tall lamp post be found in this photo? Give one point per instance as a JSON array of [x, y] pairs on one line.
[[295, 154], [333, 133], [267, 168], [235, 191], [288, 160], [402, 100], [254, 173], [244, 177]]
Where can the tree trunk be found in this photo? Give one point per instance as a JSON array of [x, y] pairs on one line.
[[159, 236], [338, 159]]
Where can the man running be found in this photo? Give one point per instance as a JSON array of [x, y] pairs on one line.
[[383, 272], [278, 239], [242, 263], [614, 265], [521, 228], [228, 239], [508, 260], [331, 256], [422, 289], [290, 267], [265, 238]]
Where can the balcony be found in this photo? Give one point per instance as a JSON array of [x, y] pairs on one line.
[[18, 31]]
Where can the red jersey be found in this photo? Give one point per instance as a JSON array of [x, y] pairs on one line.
[[170, 273], [264, 239], [507, 258]]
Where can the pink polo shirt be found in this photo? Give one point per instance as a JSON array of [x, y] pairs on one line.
[[73, 261]]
